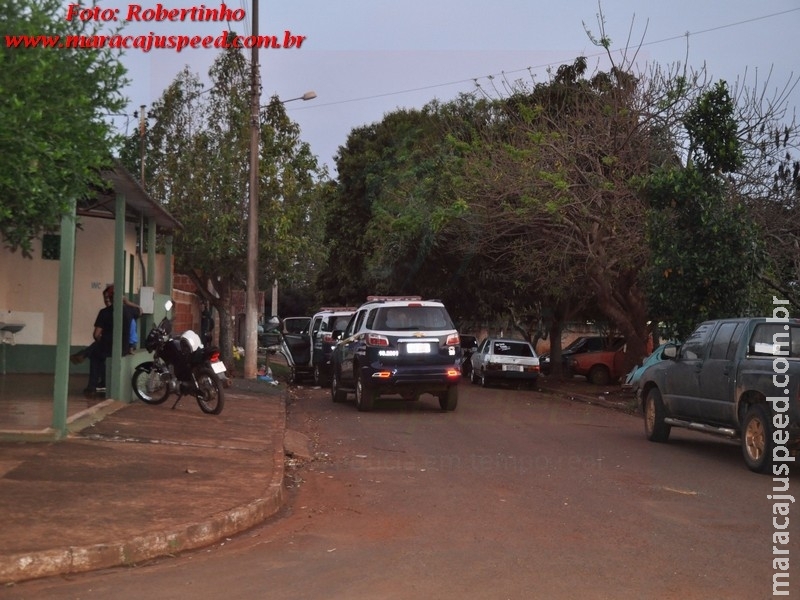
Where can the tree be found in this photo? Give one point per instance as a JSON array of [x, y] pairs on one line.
[[197, 165], [391, 225], [769, 184], [55, 134], [703, 245], [552, 185], [555, 195], [293, 189], [409, 192]]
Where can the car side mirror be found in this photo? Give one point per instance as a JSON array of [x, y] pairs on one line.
[[670, 352]]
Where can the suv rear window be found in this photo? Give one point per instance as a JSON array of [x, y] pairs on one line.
[[412, 318]]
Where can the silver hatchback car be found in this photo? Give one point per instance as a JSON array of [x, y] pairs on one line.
[[502, 359]]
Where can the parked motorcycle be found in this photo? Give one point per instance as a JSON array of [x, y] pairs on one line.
[[181, 365]]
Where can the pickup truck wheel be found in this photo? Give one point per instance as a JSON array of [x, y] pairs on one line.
[[449, 400], [365, 397], [654, 427], [757, 440], [599, 375], [337, 394]]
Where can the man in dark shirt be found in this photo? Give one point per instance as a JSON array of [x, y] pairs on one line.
[[104, 337]]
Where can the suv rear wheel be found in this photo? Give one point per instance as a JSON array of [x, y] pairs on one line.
[[449, 400], [365, 397], [337, 394]]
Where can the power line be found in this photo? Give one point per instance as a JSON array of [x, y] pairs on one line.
[[542, 66]]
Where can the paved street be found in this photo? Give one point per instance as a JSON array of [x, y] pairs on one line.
[[516, 494]]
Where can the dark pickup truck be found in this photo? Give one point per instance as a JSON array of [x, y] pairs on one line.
[[738, 378]]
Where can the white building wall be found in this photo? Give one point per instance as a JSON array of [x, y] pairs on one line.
[[29, 286]]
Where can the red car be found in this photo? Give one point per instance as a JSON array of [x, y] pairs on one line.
[[601, 368]]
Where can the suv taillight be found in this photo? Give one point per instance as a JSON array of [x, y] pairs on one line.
[[373, 339], [452, 340], [327, 337]]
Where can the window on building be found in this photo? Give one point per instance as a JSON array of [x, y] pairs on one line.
[[51, 246]]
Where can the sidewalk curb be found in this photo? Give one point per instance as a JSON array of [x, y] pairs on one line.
[[189, 536], [598, 400], [75, 423]]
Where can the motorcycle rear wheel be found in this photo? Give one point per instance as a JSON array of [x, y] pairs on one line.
[[149, 386], [209, 395]]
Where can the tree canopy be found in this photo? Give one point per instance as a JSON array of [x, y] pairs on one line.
[[621, 198], [196, 156], [55, 132]]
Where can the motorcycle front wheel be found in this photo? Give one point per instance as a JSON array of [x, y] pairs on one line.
[[209, 392], [148, 385]]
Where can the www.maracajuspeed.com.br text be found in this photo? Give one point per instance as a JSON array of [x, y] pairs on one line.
[[151, 41]]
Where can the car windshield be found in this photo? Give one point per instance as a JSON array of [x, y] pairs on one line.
[[576, 343], [412, 318], [505, 348]]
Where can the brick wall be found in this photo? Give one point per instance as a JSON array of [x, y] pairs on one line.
[[186, 312], [188, 306]]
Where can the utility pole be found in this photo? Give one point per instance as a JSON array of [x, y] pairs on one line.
[[141, 140], [251, 295]]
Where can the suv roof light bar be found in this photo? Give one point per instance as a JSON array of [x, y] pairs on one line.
[[390, 298]]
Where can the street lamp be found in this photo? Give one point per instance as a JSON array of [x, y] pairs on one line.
[[251, 294], [310, 95]]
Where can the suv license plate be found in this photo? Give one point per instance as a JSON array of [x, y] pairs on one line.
[[517, 368], [418, 348]]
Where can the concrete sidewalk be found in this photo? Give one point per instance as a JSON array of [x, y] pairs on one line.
[[142, 482]]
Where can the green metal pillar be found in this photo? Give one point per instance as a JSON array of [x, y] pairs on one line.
[[114, 386], [149, 320], [168, 266], [151, 252], [66, 288]]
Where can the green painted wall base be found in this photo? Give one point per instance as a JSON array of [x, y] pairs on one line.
[[22, 358]]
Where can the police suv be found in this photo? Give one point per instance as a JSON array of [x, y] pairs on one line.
[[394, 345]]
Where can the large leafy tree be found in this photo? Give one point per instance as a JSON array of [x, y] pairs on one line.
[[390, 223], [383, 222], [55, 131], [197, 165], [769, 184], [293, 190], [704, 248], [552, 186], [540, 198]]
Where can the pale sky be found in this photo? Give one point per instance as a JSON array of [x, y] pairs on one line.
[[365, 58]]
